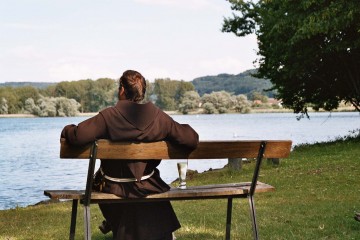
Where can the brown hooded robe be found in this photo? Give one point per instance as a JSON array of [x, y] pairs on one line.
[[129, 121]]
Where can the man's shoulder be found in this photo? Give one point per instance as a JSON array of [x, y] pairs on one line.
[[108, 110]]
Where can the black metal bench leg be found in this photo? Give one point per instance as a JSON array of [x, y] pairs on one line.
[[73, 219], [228, 218], [87, 227], [253, 188], [253, 217]]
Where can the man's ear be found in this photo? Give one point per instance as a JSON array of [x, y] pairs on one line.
[[121, 94]]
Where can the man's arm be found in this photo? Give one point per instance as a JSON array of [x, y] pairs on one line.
[[181, 134], [86, 132]]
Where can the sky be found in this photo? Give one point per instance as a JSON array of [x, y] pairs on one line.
[[67, 40]]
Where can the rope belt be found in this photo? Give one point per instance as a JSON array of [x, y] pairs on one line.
[[124, 180]]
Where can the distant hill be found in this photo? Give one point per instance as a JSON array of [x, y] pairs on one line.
[[242, 83], [22, 84]]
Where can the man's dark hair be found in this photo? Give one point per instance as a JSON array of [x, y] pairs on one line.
[[134, 85]]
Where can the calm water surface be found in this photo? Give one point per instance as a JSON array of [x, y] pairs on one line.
[[29, 159]]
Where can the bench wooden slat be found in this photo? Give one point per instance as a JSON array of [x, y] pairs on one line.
[[164, 150], [196, 192]]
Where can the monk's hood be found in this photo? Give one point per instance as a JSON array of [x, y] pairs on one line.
[[138, 115]]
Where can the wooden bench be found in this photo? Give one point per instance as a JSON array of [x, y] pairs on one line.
[[105, 149]]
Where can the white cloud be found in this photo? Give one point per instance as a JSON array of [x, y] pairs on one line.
[[76, 71], [25, 52], [229, 65], [152, 73], [178, 39], [24, 26]]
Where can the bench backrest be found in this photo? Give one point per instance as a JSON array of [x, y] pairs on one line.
[[164, 150]]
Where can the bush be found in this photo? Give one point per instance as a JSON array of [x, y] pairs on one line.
[[52, 107], [222, 110], [3, 106], [209, 108], [189, 102], [47, 107], [242, 104], [67, 107]]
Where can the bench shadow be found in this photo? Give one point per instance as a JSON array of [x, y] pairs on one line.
[[197, 236], [100, 236]]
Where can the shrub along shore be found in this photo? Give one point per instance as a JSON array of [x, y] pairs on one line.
[[255, 110], [317, 195]]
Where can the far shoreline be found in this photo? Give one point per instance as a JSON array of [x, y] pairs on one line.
[[256, 111]]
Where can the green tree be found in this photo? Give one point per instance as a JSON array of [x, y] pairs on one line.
[[92, 95], [258, 96], [47, 107], [189, 102], [149, 94], [242, 105], [165, 90], [52, 107], [101, 93], [31, 107], [209, 108], [109, 91], [16, 97], [181, 89], [168, 93], [222, 101], [3, 106], [11, 99], [78, 90], [309, 49], [26, 92], [67, 107]]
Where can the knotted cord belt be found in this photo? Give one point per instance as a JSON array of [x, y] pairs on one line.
[[124, 180]]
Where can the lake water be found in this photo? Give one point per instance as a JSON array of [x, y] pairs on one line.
[[30, 163]]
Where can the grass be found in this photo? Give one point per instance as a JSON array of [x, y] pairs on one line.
[[317, 194]]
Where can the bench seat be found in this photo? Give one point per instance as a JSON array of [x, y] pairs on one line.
[[235, 190]]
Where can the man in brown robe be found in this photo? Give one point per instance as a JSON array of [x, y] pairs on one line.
[[130, 120]]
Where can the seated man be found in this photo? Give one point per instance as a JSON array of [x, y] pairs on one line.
[[129, 120]]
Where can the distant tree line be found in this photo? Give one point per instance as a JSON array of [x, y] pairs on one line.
[[62, 99], [70, 98]]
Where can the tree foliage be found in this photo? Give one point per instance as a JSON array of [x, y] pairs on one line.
[[67, 107], [258, 96], [242, 105], [309, 49], [92, 95], [52, 107], [15, 97], [169, 92], [3, 106], [209, 108], [149, 94], [67, 98], [189, 102], [223, 102]]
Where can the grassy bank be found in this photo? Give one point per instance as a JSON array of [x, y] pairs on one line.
[[318, 192]]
